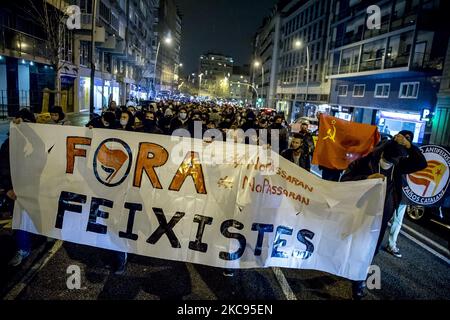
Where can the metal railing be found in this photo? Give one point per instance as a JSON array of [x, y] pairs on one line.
[[12, 101], [15, 40]]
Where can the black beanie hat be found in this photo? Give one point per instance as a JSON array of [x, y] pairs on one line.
[[407, 133]]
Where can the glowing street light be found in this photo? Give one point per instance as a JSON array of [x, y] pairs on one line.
[[167, 40], [257, 64], [298, 45]]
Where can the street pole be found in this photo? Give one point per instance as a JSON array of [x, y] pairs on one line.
[[92, 87], [296, 90], [307, 75], [262, 82], [154, 69]]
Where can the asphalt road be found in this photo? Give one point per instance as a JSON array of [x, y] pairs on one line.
[[418, 275]]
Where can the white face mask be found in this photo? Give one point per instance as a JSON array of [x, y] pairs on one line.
[[385, 164], [123, 122]]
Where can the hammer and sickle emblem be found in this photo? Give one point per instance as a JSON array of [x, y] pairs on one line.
[[331, 134]]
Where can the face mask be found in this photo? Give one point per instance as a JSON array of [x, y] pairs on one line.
[[149, 122], [385, 165], [183, 115], [123, 122]]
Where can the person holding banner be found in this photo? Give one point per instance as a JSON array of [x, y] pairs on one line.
[[22, 238], [58, 116], [388, 161], [397, 218]]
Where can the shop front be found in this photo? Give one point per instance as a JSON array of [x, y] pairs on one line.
[[344, 113], [391, 122]]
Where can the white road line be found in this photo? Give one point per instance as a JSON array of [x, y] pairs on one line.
[[426, 239], [424, 246], [288, 293], [18, 288]]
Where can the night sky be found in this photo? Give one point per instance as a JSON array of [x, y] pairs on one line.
[[220, 26]]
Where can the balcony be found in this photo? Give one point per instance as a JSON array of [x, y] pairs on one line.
[[22, 43]]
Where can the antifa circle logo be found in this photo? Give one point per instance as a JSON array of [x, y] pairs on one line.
[[112, 162], [429, 185]]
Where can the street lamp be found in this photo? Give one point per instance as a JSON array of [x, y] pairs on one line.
[[256, 64], [200, 83], [176, 72], [167, 40], [298, 45]]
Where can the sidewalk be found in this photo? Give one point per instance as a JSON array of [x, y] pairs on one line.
[[76, 119], [4, 128]]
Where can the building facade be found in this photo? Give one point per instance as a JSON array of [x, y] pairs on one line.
[[441, 117], [240, 86], [215, 70], [388, 75], [264, 69], [168, 64], [125, 47], [302, 86]]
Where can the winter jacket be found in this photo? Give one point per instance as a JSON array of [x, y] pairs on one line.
[[303, 161], [361, 168]]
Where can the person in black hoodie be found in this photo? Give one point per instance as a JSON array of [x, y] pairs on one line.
[[283, 134], [390, 160], [180, 122], [106, 121], [149, 123]]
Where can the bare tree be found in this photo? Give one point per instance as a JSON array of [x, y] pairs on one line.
[[52, 16]]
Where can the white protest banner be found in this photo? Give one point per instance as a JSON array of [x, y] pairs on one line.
[[218, 204]]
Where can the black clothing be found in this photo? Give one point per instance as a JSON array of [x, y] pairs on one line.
[[330, 174], [302, 162], [362, 168]]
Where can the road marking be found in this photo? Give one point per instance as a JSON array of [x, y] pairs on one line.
[[423, 245], [18, 288], [426, 239], [288, 293]]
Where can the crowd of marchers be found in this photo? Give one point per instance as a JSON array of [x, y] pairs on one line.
[[390, 160]]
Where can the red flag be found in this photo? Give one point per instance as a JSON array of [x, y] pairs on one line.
[[340, 142]]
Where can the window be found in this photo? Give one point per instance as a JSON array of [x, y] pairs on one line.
[[121, 30], [334, 62], [358, 90], [350, 59], [85, 6], [399, 50], [342, 90], [114, 21], [84, 53], [372, 55], [105, 12], [382, 90], [409, 90]]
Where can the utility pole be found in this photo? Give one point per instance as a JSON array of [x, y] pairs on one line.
[[91, 95]]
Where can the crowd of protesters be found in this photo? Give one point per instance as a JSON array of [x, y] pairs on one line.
[[167, 117]]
